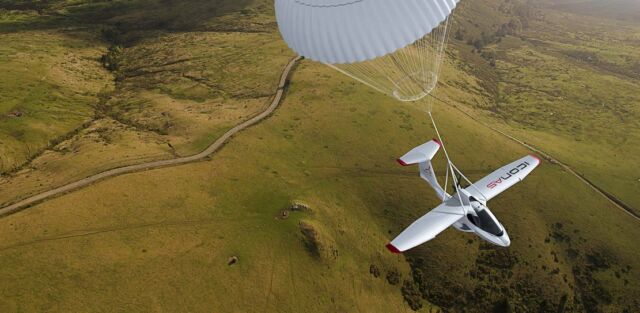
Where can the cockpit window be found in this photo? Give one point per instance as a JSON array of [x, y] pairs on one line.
[[486, 223]]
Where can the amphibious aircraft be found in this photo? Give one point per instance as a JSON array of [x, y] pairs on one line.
[[466, 209]]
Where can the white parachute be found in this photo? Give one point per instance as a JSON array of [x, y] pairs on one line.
[[397, 48], [394, 46]]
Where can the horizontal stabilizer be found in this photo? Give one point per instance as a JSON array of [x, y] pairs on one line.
[[420, 154]]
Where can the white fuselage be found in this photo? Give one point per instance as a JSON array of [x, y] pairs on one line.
[[480, 220], [466, 210]]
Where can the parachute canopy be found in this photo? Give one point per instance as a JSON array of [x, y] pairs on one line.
[[394, 46]]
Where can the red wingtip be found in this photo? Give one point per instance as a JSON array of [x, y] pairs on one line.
[[438, 142], [393, 249], [401, 162], [535, 157]]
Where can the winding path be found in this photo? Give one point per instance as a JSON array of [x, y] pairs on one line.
[[25, 203]]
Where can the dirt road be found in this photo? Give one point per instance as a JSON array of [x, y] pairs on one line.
[[25, 203]]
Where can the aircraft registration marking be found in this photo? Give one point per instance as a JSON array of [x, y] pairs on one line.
[[509, 174]]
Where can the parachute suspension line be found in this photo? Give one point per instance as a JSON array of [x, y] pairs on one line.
[[446, 183], [470, 183], [443, 47], [450, 166], [408, 74], [439, 57]]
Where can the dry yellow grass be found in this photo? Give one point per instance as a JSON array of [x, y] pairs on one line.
[[105, 144], [211, 83], [159, 240], [51, 79]]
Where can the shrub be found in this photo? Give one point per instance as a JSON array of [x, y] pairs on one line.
[[393, 277], [111, 60], [411, 295]]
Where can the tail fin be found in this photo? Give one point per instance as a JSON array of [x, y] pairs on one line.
[[422, 155]]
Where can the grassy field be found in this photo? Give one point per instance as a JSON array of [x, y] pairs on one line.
[[578, 96], [144, 244], [193, 86], [182, 76], [48, 88], [566, 83], [230, 207], [161, 240]]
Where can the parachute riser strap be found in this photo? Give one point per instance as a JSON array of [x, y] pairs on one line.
[[450, 166], [453, 167]]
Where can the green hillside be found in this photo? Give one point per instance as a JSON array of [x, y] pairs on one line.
[[162, 240], [177, 76], [561, 81]]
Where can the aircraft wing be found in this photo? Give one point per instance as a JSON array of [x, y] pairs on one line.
[[503, 179], [427, 227]]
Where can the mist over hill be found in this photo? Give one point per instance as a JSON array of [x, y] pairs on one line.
[[618, 9]]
